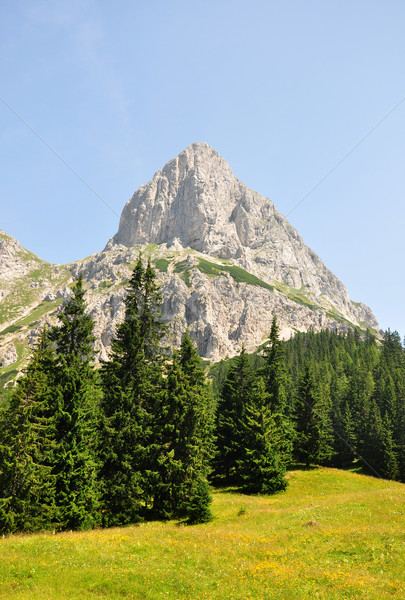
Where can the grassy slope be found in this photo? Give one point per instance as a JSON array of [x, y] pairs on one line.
[[256, 548]]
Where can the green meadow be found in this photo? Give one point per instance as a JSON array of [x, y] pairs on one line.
[[332, 535]]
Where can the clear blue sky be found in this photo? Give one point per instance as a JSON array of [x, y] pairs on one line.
[[283, 90]]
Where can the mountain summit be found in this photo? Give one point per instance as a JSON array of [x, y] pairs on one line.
[[197, 201], [227, 261]]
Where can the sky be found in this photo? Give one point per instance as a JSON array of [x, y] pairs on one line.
[[305, 100]]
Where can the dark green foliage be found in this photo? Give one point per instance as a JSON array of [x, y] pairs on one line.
[[248, 437], [203, 406], [198, 503], [48, 455], [390, 468], [276, 382], [184, 430], [71, 460], [133, 386], [308, 424], [156, 424], [274, 370], [74, 460], [27, 441], [344, 431], [366, 395], [199, 431], [259, 467], [236, 394]]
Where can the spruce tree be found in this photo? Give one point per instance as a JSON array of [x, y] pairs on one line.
[[200, 419], [345, 439], [132, 388], [235, 395], [313, 433], [371, 446], [276, 381], [259, 467], [191, 364], [274, 371], [181, 487], [52, 415], [27, 442], [74, 463], [390, 454]]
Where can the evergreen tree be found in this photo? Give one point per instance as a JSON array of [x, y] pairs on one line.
[[371, 448], [191, 364], [390, 455], [259, 467], [200, 420], [183, 454], [276, 382], [50, 478], [74, 462], [313, 439], [133, 386], [274, 371], [345, 443], [235, 395], [27, 434]]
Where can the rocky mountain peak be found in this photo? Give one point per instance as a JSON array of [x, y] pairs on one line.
[[226, 259], [197, 200]]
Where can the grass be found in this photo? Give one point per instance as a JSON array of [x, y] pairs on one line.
[[211, 269], [22, 294], [33, 317], [10, 372], [237, 273], [298, 295], [161, 264], [184, 271], [103, 285], [257, 547]]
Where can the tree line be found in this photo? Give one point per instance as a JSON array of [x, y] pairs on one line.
[[338, 398], [82, 447], [142, 436]]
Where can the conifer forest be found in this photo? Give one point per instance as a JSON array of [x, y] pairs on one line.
[[145, 434]]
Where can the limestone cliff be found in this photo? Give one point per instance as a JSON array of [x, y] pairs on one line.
[[226, 259], [197, 201]]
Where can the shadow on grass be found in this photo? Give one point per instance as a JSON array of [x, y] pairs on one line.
[[227, 488], [222, 486], [302, 467]]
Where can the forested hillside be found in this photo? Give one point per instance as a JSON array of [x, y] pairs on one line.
[[141, 437], [346, 393]]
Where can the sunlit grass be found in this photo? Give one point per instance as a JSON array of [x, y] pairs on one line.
[[257, 548]]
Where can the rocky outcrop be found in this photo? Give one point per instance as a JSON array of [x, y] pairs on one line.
[[196, 201], [226, 260], [9, 356]]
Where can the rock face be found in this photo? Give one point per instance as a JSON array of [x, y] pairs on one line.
[[226, 259], [9, 356], [197, 201]]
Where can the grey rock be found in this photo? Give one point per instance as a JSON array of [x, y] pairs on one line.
[[230, 262], [9, 356]]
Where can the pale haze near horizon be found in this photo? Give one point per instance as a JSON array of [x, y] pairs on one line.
[[283, 91]]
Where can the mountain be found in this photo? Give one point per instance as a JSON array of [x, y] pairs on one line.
[[226, 258]]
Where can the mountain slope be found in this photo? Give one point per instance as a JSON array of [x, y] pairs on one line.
[[226, 259]]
